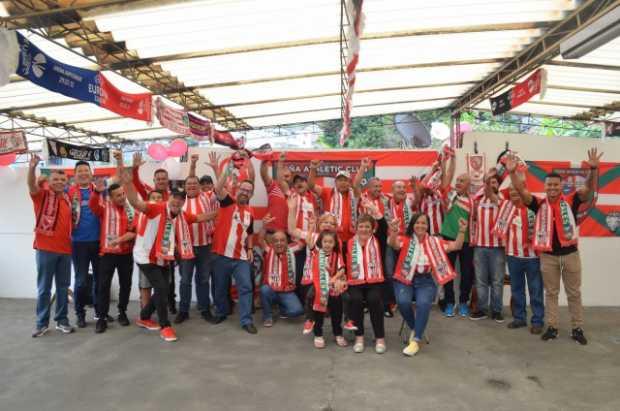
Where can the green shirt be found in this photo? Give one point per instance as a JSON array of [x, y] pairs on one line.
[[458, 209]]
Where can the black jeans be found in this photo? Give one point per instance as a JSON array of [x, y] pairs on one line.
[[300, 262], [466, 262], [159, 277], [172, 289], [84, 254], [334, 306], [108, 263], [373, 295]]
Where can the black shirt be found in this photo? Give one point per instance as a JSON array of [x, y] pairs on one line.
[[556, 248]]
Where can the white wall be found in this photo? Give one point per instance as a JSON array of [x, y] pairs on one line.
[[600, 256]]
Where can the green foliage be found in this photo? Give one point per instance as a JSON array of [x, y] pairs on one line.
[[366, 132]]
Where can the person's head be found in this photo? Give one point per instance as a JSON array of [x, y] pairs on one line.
[[462, 184], [365, 226], [245, 192], [399, 190], [328, 222], [287, 175], [300, 184], [117, 194], [57, 181], [493, 182], [160, 179], [328, 242], [156, 196], [192, 186], [515, 198], [83, 173], [343, 181], [206, 183], [279, 241], [418, 225], [176, 201], [553, 186], [374, 187]]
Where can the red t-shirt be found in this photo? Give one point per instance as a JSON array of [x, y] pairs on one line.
[[60, 242], [277, 206]]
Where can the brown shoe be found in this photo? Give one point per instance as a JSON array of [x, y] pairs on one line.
[[536, 329]]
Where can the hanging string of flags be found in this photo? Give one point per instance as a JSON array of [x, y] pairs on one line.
[[353, 9], [522, 92]]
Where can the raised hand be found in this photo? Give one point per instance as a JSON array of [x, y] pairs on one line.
[[34, 161], [213, 160], [292, 201], [126, 177], [282, 156], [194, 158], [268, 219], [118, 156], [315, 163], [137, 160], [395, 225], [511, 162], [365, 164], [594, 159], [311, 222]]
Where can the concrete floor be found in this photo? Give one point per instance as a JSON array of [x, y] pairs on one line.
[[467, 366]]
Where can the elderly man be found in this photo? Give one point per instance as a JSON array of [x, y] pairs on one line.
[[52, 242], [556, 237]]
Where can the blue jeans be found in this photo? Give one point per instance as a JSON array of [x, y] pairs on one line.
[[520, 269], [85, 254], [288, 302], [201, 266], [490, 266], [52, 267], [424, 288], [223, 269]]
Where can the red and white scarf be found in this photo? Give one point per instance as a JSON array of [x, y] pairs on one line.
[[364, 263], [304, 210], [338, 204], [75, 194], [116, 222], [403, 211], [173, 232], [323, 269], [564, 224], [47, 217], [279, 270], [431, 249]]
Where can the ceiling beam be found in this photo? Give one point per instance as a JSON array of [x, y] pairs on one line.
[[587, 66], [538, 53]]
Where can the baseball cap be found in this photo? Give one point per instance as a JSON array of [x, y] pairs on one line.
[[343, 173]]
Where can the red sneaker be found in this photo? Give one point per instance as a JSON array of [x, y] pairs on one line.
[[148, 324], [168, 334], [308, 327], [350, 326]]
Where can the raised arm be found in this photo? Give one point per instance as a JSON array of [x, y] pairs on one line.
[[264, 173], [132, 194], [138, 184], [517, 183], [94, 202], [280, 168], [359, 176], [314, 165], [594, 160], [457, 244], [32, 179], [192, 165], [219, 188], [448, 175], [214, 163], [251, 171]]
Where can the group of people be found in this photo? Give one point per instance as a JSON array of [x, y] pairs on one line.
[[340, 251]]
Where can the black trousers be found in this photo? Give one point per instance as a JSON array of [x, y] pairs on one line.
[[466, 262], [334, 306], [172, 289], [108, 263], [159, 277], [373, 295], [300, 262], [84, 255]]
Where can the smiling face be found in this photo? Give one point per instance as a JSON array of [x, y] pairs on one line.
[[399, 191], [118, 196], [328, 222], [279, 242], [420, 227], [374, 187], [343, 184], [160, 180], [462, 184], [57, 182], [364, 229], [192, 186], [244, 193], [83, 175], [175, 204], [328, 243], [553, 187]]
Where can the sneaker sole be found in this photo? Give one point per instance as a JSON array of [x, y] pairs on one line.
[[478, 318], [40, 334], [306, 332], [169, 339], [499, 321], [148, 328], [65, 331]]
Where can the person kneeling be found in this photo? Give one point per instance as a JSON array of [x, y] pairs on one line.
[[421, 257], [279, 279]]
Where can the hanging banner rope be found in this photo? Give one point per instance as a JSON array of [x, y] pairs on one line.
[[78, 83], [353, 8]]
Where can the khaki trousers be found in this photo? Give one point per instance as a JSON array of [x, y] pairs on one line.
[[568, 268]]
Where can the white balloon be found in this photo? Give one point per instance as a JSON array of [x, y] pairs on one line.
[[440, 131], [173, 166]]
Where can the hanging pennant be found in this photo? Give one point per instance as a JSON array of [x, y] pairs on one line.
[[13, 142], [520, 93]]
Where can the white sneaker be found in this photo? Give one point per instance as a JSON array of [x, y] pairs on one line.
[[411, 349], [358, 347], [65, 328], [380, 348]]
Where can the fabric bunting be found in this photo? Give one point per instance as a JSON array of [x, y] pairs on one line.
[[78, 83], [353, 9], [520, 93]]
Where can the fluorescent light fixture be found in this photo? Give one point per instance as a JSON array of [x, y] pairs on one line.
[[593, 36]]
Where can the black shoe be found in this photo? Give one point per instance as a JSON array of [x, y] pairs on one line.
[[122, 319], [578, 336], [101, 326], [498, 317], [181, 317], [208, 317], [250, 329], [172, 308], [219, 319], [388, 314], [550, 334], [81, 321], [516, 324], [478, 315], [109, 319]]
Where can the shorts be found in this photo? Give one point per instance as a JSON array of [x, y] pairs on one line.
[[144, 282]]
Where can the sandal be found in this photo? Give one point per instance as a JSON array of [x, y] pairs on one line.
[[319, 342], [341, 342]]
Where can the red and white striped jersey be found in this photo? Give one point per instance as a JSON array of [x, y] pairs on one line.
[[483, 219], [432, 206], [305, 208], [379, 202], [232, 227], [520, 234], [205, 202]]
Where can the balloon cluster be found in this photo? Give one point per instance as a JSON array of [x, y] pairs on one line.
[[160, 152]]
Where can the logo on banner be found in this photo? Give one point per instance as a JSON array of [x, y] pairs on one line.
[[38, 65], [613, 220], [572, 179], [329, 168]]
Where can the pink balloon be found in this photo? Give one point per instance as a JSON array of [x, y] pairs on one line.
[[466, 128], [7, 159], [177, 148], [157, 152]]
